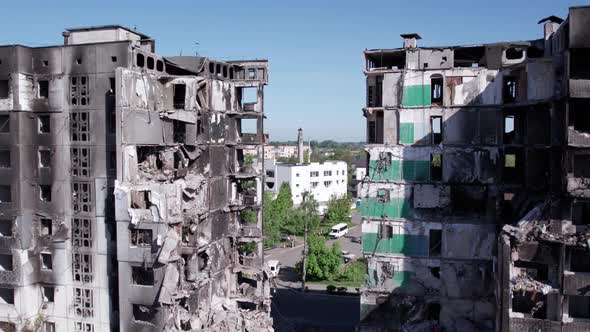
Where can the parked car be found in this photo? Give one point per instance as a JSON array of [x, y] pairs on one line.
[[355, 239], [274, 266]]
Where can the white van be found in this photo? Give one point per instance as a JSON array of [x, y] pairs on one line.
[[338, 230]]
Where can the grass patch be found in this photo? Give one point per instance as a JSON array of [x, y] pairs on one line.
[[351, 275]]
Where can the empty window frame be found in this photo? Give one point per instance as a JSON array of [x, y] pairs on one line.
[[531, 304], [79, 127], [513, 170], [383, 195], [141, 275], [5, 262], [249, 95], [4, 123], [579, 116], [509, 89], [43, 89], [386, 231], [48, 295], [150, 63], [45, 192], [579, 63], [140, 237], [436, 162], [82, 232], [436, 89], [144, 314], [313, 174], [5, 227], [83, 302], [251, 73], [581, 213], [83, 327], [514, 53], [82, 267], [160, 65], [5, 159], [82, 197], [509, 130], [140, 60], [44, 157], [582, 165], [5, 194], [327, 173], [46, 261], [50, 327], [371, 132], [436, 129], [80, 161], [44, 124], [46, 226], [248, 126], [179, 95], [4, 89], [469, 56], [6, 295], [79, 90], [434, 242], [579, 306], [327, 184]]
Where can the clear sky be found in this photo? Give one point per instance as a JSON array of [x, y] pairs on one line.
[[314, 46]]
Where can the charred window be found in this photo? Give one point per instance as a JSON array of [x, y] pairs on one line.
[[47, 261], [82, 197], [44, 157], [580, 260], [5, 195], [82, 267], [579, 114], [6, 296], [509, 89], [5, 262], [150, 62], [436, 89], [5, 159], [580, 63], [436, 127], [80, 162], [141, 237], [140, 60], [46, 226], [5, 227], [160, 65], [514, 53], [144, 314], [371, 132], [436, 166], [48, 294], [579, 306], [179, 95], [81, 233], [4, 89], [434, 242], [514, 166], [469, 56], [532, 304], [582, 166], [79, 90], [83, 302], [142, 275], [44, 124], [468, 199], [385, 231], [4, 124], [581, 213], [45, 193], [79, 127], [43, 89]]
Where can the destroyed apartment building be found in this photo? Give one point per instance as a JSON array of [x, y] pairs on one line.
[[477, 200], [125, 199]]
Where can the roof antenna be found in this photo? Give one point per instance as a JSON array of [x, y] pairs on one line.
[[196, 51]]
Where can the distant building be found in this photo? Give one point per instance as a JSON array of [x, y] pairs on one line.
[[320, 179], [283, 151]]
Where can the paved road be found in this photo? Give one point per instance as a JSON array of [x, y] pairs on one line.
[[290, 256], [293, 311]]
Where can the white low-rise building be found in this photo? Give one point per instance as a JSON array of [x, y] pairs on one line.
[[320, 179]]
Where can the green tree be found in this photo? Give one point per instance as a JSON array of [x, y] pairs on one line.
[[296, 218], [272, 233], [338, 209], [249, 159], [322, 263]]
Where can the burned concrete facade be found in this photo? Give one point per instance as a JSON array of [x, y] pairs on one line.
[[125, 200], [462, 140]]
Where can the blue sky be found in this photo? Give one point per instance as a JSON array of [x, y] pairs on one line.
[[314, 47]]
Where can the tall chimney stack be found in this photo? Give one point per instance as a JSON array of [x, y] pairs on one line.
[[300, 146]]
